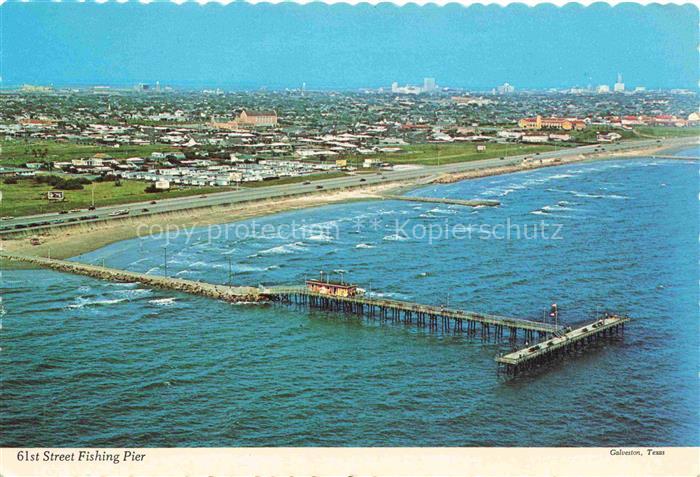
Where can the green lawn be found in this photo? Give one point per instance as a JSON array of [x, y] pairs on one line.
[[588, 135], [428, 154], [28, 198], [14, 153], [661, 131]]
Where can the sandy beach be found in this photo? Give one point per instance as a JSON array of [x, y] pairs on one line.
[[77, 239]]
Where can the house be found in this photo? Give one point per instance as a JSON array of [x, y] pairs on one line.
[[560, 137], [534, 139]]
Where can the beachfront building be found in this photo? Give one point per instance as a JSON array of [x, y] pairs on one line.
[[538, 122]]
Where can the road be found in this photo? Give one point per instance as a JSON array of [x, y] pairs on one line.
[[43, 221]]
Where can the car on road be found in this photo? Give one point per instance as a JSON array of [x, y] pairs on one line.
[[307, 183], [74, 210], [63, 212], [7, 217], [92, 207], [144, 210], [319, 187], [119, 212], [153, 202], [363, 180]]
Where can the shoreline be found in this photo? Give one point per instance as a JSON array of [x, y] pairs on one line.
[[76, 240]]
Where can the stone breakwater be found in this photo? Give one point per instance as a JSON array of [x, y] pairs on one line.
[[437, 200], [231, 294]]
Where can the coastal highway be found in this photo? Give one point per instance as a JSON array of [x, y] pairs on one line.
[[227, 198]]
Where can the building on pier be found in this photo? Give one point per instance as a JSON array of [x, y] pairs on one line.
[[332, 288]]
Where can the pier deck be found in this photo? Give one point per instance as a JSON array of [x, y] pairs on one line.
[[558, 342], [561, 344], [437, 200], [410, 312]]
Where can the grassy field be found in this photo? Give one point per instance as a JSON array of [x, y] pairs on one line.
[[28, 198], [660, 132], [588, 135], [15, 153], [432, 154]]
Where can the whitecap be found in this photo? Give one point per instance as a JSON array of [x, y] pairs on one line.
[[364, 245], [162, 301], [131, 293], [83, 302], [321, 237], [395, 238], [282, 249], [139, 261]]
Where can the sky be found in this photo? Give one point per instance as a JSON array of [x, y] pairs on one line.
[[245, 46]]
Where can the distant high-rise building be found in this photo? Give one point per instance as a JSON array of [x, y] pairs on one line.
[[505, 88], [408, 89], [429, 85], [619, 86], [603, 88]]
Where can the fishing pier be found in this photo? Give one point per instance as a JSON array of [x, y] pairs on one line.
[[561, 345], [410, 313], [544, 342]]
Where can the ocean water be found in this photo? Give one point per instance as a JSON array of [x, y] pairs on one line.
[[91, 363]]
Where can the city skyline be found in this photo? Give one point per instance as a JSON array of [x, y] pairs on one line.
[[242, 46]]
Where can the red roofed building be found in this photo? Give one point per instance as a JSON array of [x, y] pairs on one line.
[[331, 288], [257, 118], [538, 122]]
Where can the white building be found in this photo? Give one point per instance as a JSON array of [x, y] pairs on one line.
[[602, 89], [162, 184], [505, 88], [619, 87], [534, 139]]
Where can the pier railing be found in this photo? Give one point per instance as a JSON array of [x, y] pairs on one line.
[[407, 310], [560, 345], [553, 340]]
